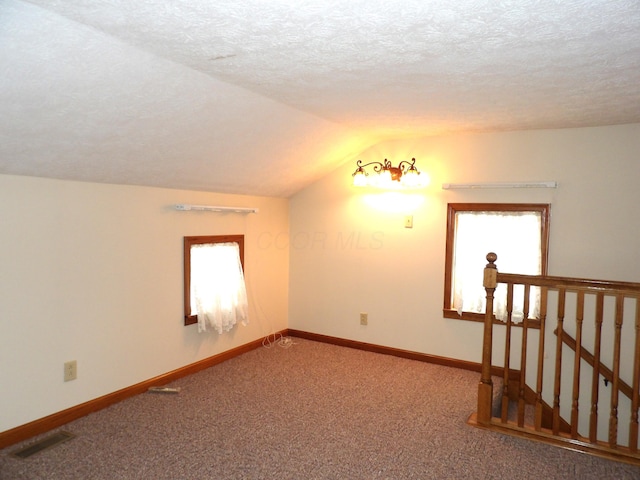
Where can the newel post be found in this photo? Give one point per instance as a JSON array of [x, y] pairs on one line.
[[485, 388]]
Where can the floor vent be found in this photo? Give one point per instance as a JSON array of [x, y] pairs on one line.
[[47, 442]]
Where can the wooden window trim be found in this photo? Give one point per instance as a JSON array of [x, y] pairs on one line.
[[453, 208], [199, 240]]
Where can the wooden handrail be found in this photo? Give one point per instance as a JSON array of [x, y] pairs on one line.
[[571, 284], [589, 358]]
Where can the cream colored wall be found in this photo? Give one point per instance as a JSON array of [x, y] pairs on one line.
[[93, 273], [350, 252]]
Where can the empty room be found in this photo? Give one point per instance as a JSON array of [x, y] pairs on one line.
[[319, 239]]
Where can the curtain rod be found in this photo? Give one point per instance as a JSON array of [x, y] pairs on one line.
[[207, 208], [452, 186]]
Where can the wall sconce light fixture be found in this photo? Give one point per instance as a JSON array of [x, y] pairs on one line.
[[405, 175]]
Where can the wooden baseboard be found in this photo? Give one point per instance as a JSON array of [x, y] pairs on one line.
[[45, 424], [42, 425], [370, 347]]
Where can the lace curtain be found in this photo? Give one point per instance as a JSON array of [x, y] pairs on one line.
[[218, 292], [515, 237]]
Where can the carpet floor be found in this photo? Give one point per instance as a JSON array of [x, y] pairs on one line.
[[310, 411]]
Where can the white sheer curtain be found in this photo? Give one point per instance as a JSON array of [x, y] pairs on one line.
[[515, 238], [218, 292]]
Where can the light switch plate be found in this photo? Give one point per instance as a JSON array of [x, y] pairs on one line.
[[408, 221]]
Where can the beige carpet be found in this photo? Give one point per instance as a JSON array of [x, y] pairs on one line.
[[311, 411]]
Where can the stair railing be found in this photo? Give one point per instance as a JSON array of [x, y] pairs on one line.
[[561, 431]]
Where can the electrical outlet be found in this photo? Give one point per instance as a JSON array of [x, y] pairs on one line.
[[364, 319], [70, 370]]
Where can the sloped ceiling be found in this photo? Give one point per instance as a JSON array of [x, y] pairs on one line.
[[264, 97]]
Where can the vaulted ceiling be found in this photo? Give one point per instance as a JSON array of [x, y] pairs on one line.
[[264, 97]]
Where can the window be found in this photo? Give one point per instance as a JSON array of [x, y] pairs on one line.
[[517, 233], [214, 290]]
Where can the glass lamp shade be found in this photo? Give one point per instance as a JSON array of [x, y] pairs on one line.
[[411, 179], [384, 180], [360, 179]]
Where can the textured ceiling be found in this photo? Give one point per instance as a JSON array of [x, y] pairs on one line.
[[191, 93]]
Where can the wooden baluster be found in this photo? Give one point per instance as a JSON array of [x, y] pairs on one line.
[[558, 370], [576, 364], [485, 388], [595, 381], [507, 355], [543, 319], [633, 426], [615, 385], [523, 356]]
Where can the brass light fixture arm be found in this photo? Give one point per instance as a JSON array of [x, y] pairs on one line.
[[396, 173]]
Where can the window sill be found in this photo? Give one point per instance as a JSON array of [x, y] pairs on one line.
[[479, 317]]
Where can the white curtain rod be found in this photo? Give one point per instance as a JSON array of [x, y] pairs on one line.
[[452, 186], [207, 208]]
